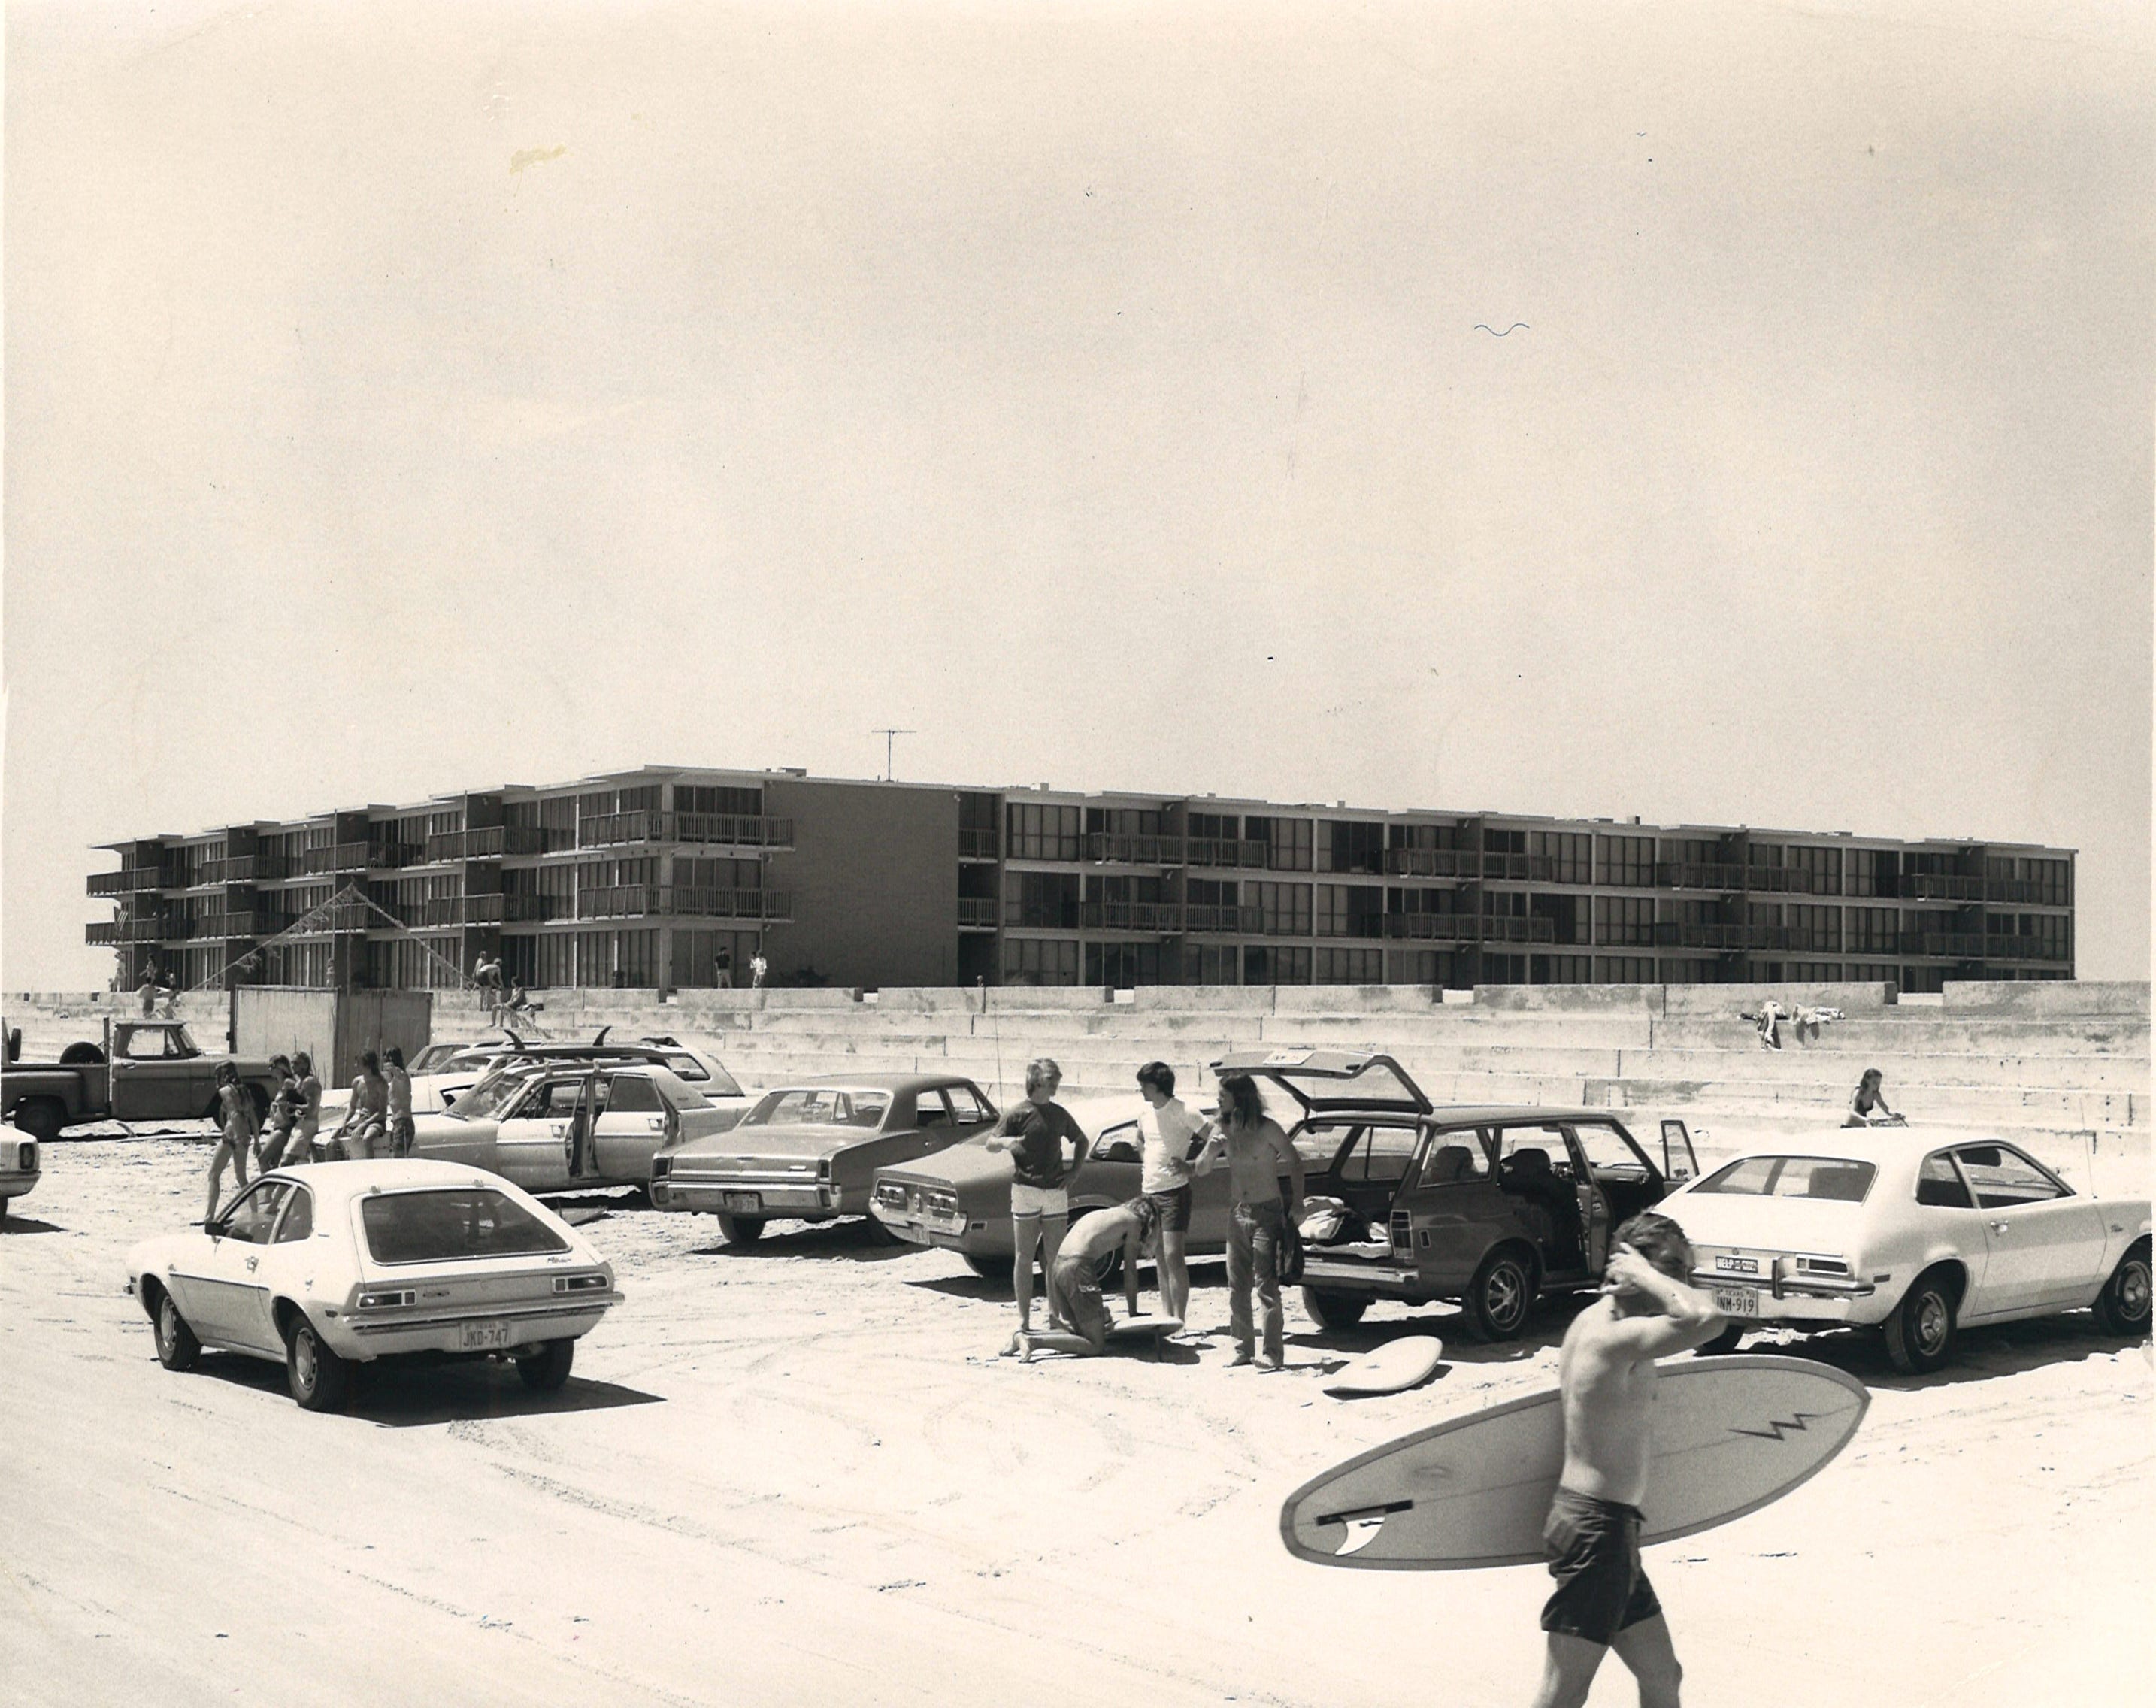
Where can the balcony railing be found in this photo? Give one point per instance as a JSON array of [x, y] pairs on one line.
[[459, 911], [1225, 917], [1471, 927], [101, 933], [345, 917], [1939, 886], [1354, 925], [1699, 875], [978, 845], [1042, 916], [1432, 863], [1226, 851], [147, 929], [1155, 916], [491, 841], [977, 912], [646, 901], [1967, 945], [343, 857], [128, 881], [2023, 949], [724, 829], [1134, 850], [1784, 880], [235, 868], [1673, 934], [528, 909], [1538, 867], [394, 856]]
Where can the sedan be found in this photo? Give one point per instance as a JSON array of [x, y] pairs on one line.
[[810, 1150], [340, 1264], [19, 1167], [1917, 1234], [562, 1126]]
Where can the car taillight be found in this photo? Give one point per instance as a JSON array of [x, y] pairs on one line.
[[386, 1299], [890, 1194], [580, 1284], [1403, 1240], [26, 1156], [661, 1166], [1822, 1265]]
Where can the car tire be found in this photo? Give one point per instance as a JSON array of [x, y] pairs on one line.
[[2122, 1307], [545, 1368], [989, 1269], [741, 1230], [319, 1378], [880, 1233], [1330, 1309], [1726, 1341], [40, 1118], [1920, 1333], [1500, 1297], [177, 1348]]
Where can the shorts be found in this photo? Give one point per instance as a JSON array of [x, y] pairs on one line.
[[1174, 1207], [1038, 1200], [1594, 1550], [1074, 1293]]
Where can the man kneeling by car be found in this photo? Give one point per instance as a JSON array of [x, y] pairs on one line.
[[1074, 1288]]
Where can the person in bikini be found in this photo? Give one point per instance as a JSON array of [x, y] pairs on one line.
[[1074, 1284], [1606, 1373]]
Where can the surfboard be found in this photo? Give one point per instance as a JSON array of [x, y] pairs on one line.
[[1731, 1434], [1134, 1328], [1396, 1366]]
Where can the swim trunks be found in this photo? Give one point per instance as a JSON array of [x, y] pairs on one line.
[[1074, 1293], [1174, 1208], [1594, 1550]]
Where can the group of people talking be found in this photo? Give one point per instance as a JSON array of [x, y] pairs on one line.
[[377, 1123], [1178, 1145]]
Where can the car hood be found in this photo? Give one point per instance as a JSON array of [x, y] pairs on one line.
[[1822, 1225], [742, 1140], [966, 1164]]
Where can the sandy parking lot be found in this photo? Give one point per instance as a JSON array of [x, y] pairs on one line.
[[798, 1472]]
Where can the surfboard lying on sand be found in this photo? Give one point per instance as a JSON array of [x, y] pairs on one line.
[[1394, 1367], [1138, 1328], [1731, 1434]]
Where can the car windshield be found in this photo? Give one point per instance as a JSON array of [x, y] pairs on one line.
[[443, 1225], [433, 1059], [491, 1096], [1844, 1179], [819, 1105]]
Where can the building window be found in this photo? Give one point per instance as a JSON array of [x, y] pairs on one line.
[[1871, 930], [1041, 961], [1122, 966], [1212, 963], [1349, 845], [1624, 920], [1349, 910], [1269, 963], [715, 799], [1218, 827], [1043, 832], [1570, 855], [1432, 967], [1624, 860], [1351, 967], [1823, 863], [1289, 842], [1042, 899], [1283, 911], [1623, 969], [1560, 969]]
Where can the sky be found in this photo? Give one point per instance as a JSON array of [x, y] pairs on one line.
[[1723, 413]]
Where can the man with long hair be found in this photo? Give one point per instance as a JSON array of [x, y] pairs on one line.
[[1649, 1309], [1258, 1153]]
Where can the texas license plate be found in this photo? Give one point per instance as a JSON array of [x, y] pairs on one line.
[[1737, 1302], [741, 1203], [482, 1336]]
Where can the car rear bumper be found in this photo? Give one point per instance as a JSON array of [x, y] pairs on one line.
[[745, 1198], [1350, 1275], [432, 1331]]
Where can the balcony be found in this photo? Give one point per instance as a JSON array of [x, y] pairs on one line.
[[664, 900], [235, 868], [461, 911], [978, 845], [1699, 875], [1432, 863], [101, 933], [529, 909], [1532, 868], [1784, 880], [1135, 850], [150, 929], [1226, 851], [1471, 927], [719, 829], [1730, 939], [1939, 886], [976, 913], [320, 921], [1042, 916], [343, 857], [128, 881], [2014, 889], [1515, 928], [1159, 918], [1226, 918], [395, 856], [2023, 949], [1963, 946]]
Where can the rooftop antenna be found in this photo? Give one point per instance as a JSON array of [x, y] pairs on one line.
[[889, 737]]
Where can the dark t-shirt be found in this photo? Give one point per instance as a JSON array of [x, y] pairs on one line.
[[1039, 1129]]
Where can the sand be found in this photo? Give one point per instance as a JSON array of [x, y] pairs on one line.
[[798, 1472]]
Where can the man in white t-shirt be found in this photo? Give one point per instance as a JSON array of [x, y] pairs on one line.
[[1173, 1141]]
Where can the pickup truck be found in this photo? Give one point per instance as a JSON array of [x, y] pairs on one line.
[[142, 1070]]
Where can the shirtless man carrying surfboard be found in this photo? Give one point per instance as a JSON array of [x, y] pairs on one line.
[[1606, 1373]]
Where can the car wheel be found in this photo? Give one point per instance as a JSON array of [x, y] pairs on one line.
[[39, 1117], [1499, 1296], [1726, 1341], [989, 1269], [545, 1367], [319, 1378], [880, 1233], [741, 1230], [177, 1348], [1333, 1309], [1920, 1333], [2122, 1307]]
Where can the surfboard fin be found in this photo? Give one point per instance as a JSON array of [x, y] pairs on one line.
[[1360, 1526]]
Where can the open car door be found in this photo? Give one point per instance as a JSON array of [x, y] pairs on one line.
[[1679, 1161], [1328, 1081]]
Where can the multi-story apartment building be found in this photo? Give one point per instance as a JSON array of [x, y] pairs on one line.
[[641, 878]]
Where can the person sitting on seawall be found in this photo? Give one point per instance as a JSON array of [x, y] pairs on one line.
[[1867, 1104]]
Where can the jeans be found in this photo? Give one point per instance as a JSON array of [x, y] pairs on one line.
[[1253, 1237]]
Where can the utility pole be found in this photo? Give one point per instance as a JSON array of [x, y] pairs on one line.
[[889, 737]]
